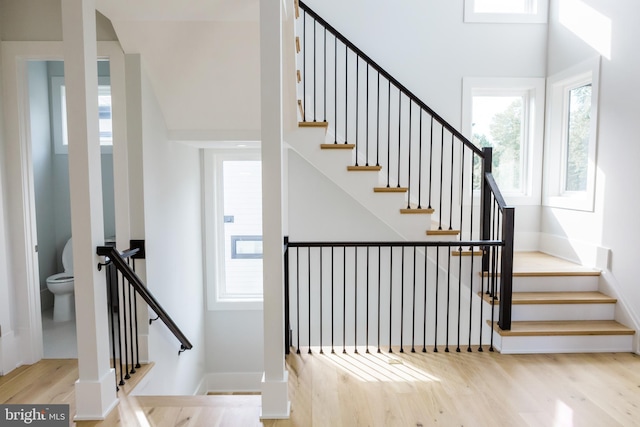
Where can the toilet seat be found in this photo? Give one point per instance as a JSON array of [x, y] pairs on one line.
[[60, 278]]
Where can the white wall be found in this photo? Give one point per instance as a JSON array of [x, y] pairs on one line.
[[428, 48], [172, 199], [42, 155], [614, 220]]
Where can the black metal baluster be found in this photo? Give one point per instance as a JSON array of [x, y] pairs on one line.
[[332, 301], [413, 302], [367, 310], [120, 327], [135, 311], [324, 74], [441, 176], [409, 161], [431, 162], [335, 89], [402, 301], [424, 314], [344, 299], [388, 133], [420, 163], [390, 295], [321, 308], [399, 131], [379, 285], [346, 93], [366, 135], [133, 369], [451, 188], [460, 296], [471, 297], [124, 332], [378, 122], [357, 103], [435, 338], [298, 297], [446, 347], [309, 293], [355, 300]]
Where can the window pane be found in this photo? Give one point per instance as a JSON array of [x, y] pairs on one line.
[[497, 122], [242, 188], [503, 6], [578, 138], [104, 115]]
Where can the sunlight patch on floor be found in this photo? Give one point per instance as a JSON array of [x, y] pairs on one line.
[[377, 367]]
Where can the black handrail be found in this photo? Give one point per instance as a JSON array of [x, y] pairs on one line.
[[112, 255], [394, 81]]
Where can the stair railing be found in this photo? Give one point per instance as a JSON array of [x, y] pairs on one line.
[[123, 288], [420, 153]]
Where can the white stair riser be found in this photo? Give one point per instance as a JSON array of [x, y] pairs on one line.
[[543, 312], [360, 185], [555, 283], [564, 344]]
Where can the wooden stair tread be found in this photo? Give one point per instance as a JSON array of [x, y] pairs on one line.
[[313, 124], [466, 253], [410, 211], [592, 297], [366, 168], [390, 189], [337, 146], [564, 327], [442, 232]]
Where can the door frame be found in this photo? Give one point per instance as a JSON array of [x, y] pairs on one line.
[[27, 345]]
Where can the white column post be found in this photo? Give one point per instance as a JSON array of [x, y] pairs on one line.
[[275, 399], [95, 388]]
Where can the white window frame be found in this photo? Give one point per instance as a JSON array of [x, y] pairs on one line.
[[214, 227], [558, 87], [533, 88], [537, 14], [59, 117]]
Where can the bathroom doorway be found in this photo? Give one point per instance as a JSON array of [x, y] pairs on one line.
[[47, 118]]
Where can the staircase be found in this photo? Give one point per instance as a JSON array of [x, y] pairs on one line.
[[377, 141], [557, 308]]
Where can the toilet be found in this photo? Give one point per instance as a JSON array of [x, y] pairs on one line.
[[61, 286]]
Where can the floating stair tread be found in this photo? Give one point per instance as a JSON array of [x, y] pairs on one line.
[[390, 189], [523, 298], [373, 168], [560, 328], [443, 232], [466, 253], [313, 125], [409, 211], [337, 146]]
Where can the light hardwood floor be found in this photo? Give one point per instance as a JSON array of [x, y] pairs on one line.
[[444, 389]]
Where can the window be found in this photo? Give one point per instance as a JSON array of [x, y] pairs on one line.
[[570, 145], [514, 11], [505, 114], [59, 114], [233, 215]]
